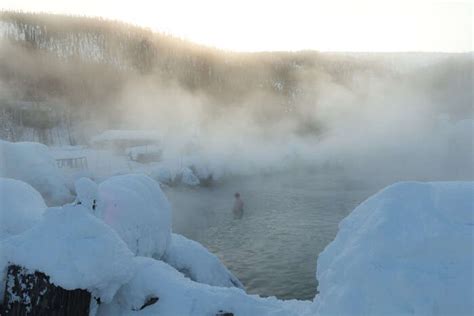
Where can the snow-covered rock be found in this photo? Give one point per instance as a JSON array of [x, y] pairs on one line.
[[75, 249], [188, 177], [197, 263], [21, 206], [136, 208], [180, 296], [409, 249], [34, 164]]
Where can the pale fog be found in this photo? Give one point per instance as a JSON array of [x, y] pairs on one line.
[[300, 171], [304, 137], [388, 126]]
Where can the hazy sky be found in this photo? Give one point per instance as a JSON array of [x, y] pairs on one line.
[[253, 25]]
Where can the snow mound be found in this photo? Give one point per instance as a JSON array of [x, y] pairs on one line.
[[21, 206], [34, 164], [180, 296], [136, 208], [189, 178], [197, 263], [86, 193], [75, 249], [406, 250]]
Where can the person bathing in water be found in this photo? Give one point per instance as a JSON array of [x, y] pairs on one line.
[[238, 208]]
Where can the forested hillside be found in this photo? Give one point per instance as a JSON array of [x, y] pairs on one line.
[[105, 72]]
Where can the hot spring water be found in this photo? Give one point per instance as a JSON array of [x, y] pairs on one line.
[[288, 220]]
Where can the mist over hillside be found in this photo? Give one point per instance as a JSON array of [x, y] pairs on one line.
[[64, 79]]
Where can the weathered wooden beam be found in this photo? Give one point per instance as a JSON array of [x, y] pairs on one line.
[[32, 294]]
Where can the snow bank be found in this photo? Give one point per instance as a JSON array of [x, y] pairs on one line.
[[21, 206], [406, 250], [197, 263], [136, 208], [33, 163], [75, 249], [180, 296]]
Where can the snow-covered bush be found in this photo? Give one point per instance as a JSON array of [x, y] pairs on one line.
[[180, 296], [21, 206], [75, 249], [33, 164], [406, 250], [197, 263], [136, 208]]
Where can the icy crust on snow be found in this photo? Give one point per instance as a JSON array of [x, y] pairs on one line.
[[21, 206], [197, 263], [34, 164], [136, 208], [75, 249], [181, 296], [406, 250]]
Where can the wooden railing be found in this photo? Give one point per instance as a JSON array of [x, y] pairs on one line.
[[76, 162]]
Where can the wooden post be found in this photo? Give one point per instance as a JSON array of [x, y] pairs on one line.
[[32, 294]]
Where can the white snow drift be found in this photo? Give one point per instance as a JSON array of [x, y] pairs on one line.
[[75, 249], [33, 163], [135, 207], [180, 296], [21, 206], [197, 263], [407, 250]]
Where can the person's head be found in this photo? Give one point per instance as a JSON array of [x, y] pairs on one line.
[[237, 195]]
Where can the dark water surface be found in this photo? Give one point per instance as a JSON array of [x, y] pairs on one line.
[[288, 220]]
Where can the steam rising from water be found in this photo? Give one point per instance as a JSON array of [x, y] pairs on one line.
[[397, 116], [393, 125]]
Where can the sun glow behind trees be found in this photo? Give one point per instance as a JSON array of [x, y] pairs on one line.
[[247, 25]]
